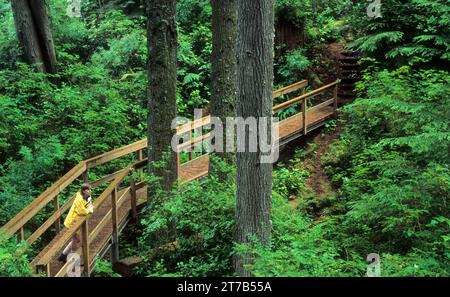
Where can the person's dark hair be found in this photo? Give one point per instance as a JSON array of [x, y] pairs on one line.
[[85, 187]]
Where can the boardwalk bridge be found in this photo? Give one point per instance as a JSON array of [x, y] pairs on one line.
[[117, 205]]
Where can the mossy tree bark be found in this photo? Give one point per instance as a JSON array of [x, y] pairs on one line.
[[34, 34], [254, 80], [162, 80], [223, 70]]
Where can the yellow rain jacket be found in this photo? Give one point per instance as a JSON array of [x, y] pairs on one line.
[[79, 208]]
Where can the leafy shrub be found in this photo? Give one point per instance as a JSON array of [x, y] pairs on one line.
[[289, 182], [104, 269], [13, 260], [199, 218], [392, 167]]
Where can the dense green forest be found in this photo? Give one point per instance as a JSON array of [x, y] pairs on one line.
[[384, 162]]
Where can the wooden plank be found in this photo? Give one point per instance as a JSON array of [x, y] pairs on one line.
[[42, 200], [335, 97], [52, 219], [133, 199], [85, 246], [48, 256], [107, 217], [194, 141], [291, 88], [115, 228], [106, 178], [58, 220], [117, 153], [321, 105], [299, 98], [140, 157], [195, 168], [304, 114], [63, 271], [192, 125]]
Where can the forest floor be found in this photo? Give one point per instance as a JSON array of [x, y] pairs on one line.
[[318, 183]]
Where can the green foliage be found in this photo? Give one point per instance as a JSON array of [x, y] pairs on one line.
[[300, 248], [104, 269], [407, 29], [293, 11], [13, 260], [9, 48], [289, 182], [199, 217], [292, 64], [392, 167], [22, 178]]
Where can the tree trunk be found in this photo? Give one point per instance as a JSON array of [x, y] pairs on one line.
[[34, 35], [223, 69], [162, 80], [254, 80], [40, 15]]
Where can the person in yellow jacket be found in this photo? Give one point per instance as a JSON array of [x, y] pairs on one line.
[[82, 206]]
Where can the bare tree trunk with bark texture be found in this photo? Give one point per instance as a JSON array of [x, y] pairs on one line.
[[254, 80], [162, 80], [34, 35], [223, 68]]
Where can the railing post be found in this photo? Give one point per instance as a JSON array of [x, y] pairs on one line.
[[85, 247], [58, 221], [140, 157], [22, 234], [115, 228], [133, 198], [305, 118], [85, 176], [335, 92], [178, 162], [190, 147], [303, 92]]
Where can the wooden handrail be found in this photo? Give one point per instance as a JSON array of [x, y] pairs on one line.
[[301, 97], [18, 221], [42, 200], [289, 89], [117, 153], [48, 256]]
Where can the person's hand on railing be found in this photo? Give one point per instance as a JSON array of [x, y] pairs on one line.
[[90, 207]]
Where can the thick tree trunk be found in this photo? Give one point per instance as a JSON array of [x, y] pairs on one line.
[[34, 35], [40, 15], [162, 78], [254, 80], [223, 68]]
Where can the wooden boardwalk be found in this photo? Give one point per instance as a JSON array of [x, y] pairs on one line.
[[116, 206], [289, 129]]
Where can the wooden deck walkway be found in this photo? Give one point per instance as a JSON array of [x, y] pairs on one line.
[[115, 207], [289, 129]]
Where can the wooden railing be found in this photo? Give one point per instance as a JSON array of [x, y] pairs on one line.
[[43, 263], [16, 225], [81, 170], [199, 124], [51, 194], [303, 100]]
